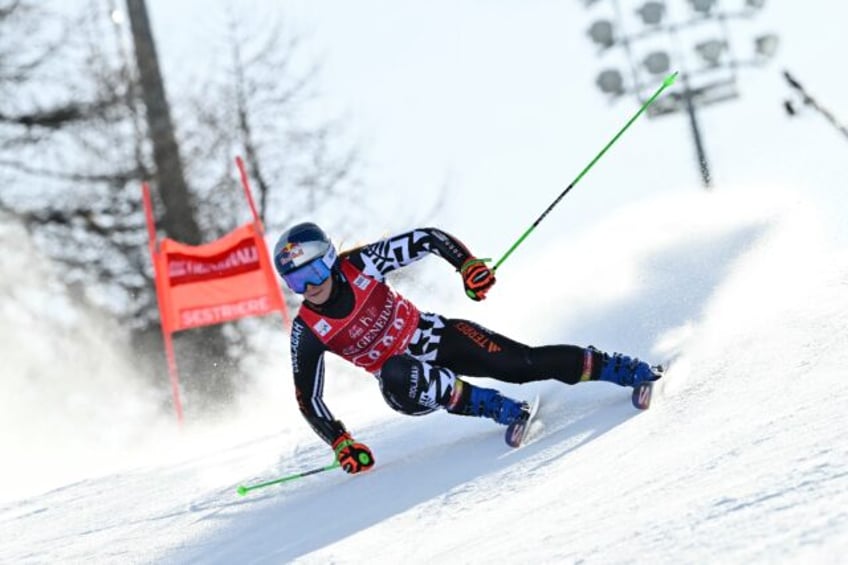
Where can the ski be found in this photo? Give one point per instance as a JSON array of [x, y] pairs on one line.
[[516, 431], [644, 392]]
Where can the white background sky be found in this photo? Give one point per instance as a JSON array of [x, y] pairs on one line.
[[497, 98]]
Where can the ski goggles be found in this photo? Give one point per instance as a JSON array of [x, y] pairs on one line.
[[314, 273]]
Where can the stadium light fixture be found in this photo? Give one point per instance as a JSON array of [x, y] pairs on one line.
[[657, 62], [601, 33], [711, 51], [611, 82], [652, 12], [712, 67], [766, 45], [703, 6]]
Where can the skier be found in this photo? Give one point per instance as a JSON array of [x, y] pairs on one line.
[[416, 356]]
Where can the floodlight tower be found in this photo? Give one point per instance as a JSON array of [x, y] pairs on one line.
[[694, 40]]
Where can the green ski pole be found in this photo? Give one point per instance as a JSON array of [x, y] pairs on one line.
[[669, 80], [243, 490]]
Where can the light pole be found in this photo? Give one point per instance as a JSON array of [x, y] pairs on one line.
[[653, 39]]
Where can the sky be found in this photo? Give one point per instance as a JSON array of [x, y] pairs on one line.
[[495, 99]]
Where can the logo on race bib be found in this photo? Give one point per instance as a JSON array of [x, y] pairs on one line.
[[362, 282], [322, 327]]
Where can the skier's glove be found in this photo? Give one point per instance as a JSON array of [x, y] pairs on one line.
[[477, 278], [354, 457]]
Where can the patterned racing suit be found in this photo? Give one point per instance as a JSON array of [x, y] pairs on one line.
[[418, 368]]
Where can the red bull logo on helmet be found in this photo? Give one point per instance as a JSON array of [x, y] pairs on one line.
[[290, 252]]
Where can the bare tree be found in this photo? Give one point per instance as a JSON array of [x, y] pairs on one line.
[[58, 131], [36, 108], [264, 105], [87, 151]]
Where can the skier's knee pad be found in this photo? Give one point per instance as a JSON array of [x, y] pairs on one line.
[[403, 380]]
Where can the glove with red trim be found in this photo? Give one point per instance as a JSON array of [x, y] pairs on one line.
[[354, 457], [477, 278]]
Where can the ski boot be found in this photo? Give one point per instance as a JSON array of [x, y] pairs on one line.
[[489, 403], [626, 371]]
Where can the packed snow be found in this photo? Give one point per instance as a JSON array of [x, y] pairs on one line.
[[741, 459]]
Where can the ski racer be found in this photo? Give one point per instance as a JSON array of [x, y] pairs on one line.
[[417, 357]]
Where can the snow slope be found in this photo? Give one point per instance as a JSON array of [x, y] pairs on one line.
[[742, 458]]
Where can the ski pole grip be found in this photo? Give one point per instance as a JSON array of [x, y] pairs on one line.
[[472, 261]]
